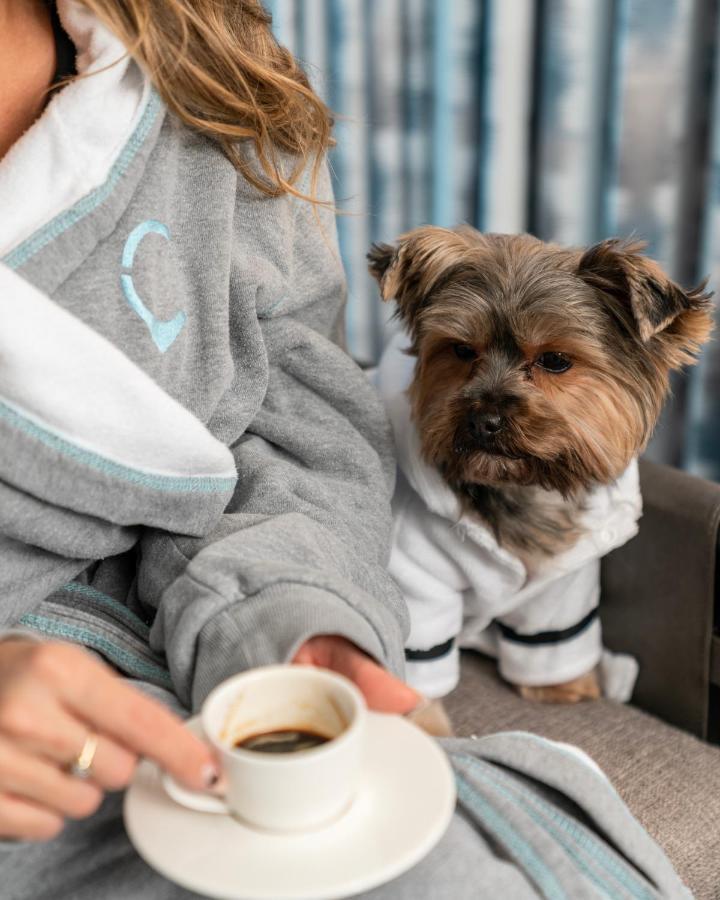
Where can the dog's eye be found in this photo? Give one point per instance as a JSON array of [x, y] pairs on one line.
[[464, 352], [553, 362]]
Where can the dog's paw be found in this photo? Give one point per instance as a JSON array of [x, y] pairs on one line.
[[430, 715], [585, 687]]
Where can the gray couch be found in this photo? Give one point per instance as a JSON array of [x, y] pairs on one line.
[[660, 602]]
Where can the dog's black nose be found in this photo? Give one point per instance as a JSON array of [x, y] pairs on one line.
[[491, 424], [486, 425]]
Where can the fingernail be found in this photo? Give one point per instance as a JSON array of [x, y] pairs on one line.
[[210, 775], [422, 704]]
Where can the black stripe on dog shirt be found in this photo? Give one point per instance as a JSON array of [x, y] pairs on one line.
[[436, 652], [548, 637]]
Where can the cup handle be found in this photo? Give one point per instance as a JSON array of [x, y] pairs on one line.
[[197, 800]]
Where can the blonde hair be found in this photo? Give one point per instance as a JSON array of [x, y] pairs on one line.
[[219, 69]]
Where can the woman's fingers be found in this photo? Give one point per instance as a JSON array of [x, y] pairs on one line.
[[53, 697], [59, 738], [32, 719], [29, 777], [117, 711], [26, 821], [382, 691], [43, 677]]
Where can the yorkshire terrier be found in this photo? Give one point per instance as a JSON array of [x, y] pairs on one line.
[[532, 376]]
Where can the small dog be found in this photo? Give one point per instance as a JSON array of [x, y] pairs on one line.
[[537, 374]]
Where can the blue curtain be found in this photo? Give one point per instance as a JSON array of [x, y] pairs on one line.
[[571, 119]]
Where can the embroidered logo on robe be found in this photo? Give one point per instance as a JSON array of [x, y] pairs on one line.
[[162, 332]]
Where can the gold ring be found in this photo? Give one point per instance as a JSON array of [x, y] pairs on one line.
[[81, 765]]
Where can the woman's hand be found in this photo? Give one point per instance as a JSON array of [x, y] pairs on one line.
[[383, 691], [52, 697]]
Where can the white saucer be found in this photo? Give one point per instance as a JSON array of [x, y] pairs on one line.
[[403, 808]]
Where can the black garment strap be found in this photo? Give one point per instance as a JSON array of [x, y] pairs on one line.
[[548, 637], [436, 652]]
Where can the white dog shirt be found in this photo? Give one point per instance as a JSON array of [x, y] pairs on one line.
[[463, 589]]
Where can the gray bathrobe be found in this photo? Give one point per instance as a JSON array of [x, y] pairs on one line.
[[193, 508]]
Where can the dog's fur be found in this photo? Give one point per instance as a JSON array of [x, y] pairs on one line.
[[488, 315]]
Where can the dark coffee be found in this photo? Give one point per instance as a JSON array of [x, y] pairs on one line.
[[284, 741]]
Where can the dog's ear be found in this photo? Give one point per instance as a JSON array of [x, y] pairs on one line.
[[380, 257], [655, 302], [409, 270]]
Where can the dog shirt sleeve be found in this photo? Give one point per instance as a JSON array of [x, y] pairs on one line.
[[432, 585], [553, 634]]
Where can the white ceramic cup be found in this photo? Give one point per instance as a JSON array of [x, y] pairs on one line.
[[283, 791]]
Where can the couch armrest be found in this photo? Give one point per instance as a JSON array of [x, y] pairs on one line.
[[659, 597]]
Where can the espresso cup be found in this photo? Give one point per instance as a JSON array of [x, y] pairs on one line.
[[283, 791]]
